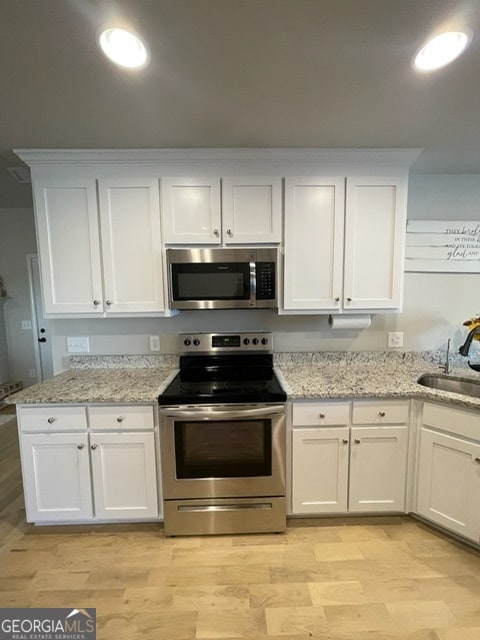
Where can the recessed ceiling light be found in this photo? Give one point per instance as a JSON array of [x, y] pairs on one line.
[[441, 50], [124, 48]]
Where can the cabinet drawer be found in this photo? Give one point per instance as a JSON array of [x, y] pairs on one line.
[[52, 418], [460, 422], [378, 412], [320, 413], [125, 418]]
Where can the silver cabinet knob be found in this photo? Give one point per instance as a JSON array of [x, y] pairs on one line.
[[108, 302], [96, 302], [229, 232], [51, 420], [321, 415], [120, 418], [337, 299], [477, 460], [349, 299], [381, 414], [357, 441], [216, 232], [93, 446], [345, 441], [80, 446]]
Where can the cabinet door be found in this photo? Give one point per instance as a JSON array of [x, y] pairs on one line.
[[448, 482], [131, 244], [320, 470], [375, 222], [378, 466], [124, 475], [313, 266], [191, 210], [68, 243], [251, 210], [56, 477]]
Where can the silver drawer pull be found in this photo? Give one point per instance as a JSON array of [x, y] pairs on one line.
[[120, 418], [80, 446], [381, 414], [51, 420], [93, 446]]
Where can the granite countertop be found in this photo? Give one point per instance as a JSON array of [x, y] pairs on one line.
[[85, 386], [371, 376], [304, 376]]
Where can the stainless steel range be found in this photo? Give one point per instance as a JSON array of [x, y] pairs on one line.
[[222, 435]]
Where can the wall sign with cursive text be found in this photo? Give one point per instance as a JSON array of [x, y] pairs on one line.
[[443, 245]]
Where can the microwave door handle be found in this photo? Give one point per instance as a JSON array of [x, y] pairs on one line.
[[205, 414], [253, 283]]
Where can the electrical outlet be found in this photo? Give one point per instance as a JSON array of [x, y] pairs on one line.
[[26, 325], [395, 339], [154, 343], [78, 345]]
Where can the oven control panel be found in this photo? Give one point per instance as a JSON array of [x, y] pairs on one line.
[[252, 341]]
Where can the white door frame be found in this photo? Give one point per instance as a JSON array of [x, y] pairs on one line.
[[43, 357]]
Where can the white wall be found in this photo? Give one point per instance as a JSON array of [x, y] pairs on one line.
[[17, 239], [435, 304]]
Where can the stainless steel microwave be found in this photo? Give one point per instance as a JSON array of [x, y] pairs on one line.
[[222, 278]]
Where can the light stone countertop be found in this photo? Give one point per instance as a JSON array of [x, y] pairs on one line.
[[89, 386], [321, 381], [303, 376]]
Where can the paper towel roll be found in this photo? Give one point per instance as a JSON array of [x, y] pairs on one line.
[[360, 321]]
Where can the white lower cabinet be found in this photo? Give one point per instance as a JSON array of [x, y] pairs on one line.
[[448, 477], [124, 475], [85, 475], [56, 477], [349, 468]]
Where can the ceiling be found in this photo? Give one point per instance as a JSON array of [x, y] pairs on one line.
[[238, 73]]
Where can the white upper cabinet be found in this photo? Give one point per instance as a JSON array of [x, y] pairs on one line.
[[243, 211], [68, 244], [252, 210], [75, 233], [344, 244], [314, 225], [375, 222], [131, 244], [191, 210]]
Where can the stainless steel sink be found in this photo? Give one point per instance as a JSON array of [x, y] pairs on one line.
[[454, 385]]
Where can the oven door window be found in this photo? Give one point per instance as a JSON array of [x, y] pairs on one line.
[[223, 449], [211, 281]]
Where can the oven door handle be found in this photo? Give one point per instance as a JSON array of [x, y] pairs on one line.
[[202, 414]]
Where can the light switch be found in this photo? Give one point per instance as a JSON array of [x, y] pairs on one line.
[[395, 338], [78, 345]]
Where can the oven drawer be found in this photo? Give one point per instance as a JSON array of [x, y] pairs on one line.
[[225, 515], [123, 418]]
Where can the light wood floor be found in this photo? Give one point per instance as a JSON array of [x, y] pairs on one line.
[[380, 579]]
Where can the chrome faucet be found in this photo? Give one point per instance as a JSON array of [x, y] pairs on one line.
[[465, 348], [447, 367]]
